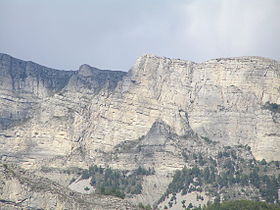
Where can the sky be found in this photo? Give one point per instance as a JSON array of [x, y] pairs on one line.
[[112, 34]]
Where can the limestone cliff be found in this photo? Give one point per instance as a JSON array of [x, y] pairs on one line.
[[163, 106], [222, 99]]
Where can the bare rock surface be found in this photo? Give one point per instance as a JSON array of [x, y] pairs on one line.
[[147, 116], [23, 190]]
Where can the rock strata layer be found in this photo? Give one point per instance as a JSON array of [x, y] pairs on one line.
[[46, 112], [90, 116]]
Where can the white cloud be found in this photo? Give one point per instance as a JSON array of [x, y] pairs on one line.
[[112, 34], [233, 28]]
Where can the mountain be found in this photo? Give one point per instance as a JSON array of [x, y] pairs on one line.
[[163, 117]]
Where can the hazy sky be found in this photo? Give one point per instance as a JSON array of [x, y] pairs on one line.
[[111, 34]]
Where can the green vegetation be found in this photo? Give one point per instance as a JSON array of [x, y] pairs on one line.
[[272, 107], [182, 181], [240, 205], [142, 206], [115, 182], [263, 162], [208, 141], [185, 156], [229, 174]]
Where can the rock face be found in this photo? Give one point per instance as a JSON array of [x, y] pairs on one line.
[[23, 190], [76, 118], [58, 111], [222, 99], [228, 103], [22, 84], [32, 96]]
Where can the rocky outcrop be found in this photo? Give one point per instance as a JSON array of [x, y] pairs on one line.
[[29, 103], [92, 80], [22, 85], [147, 116], [228, 103], [23, 190], [222, 99], [22, 77]]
